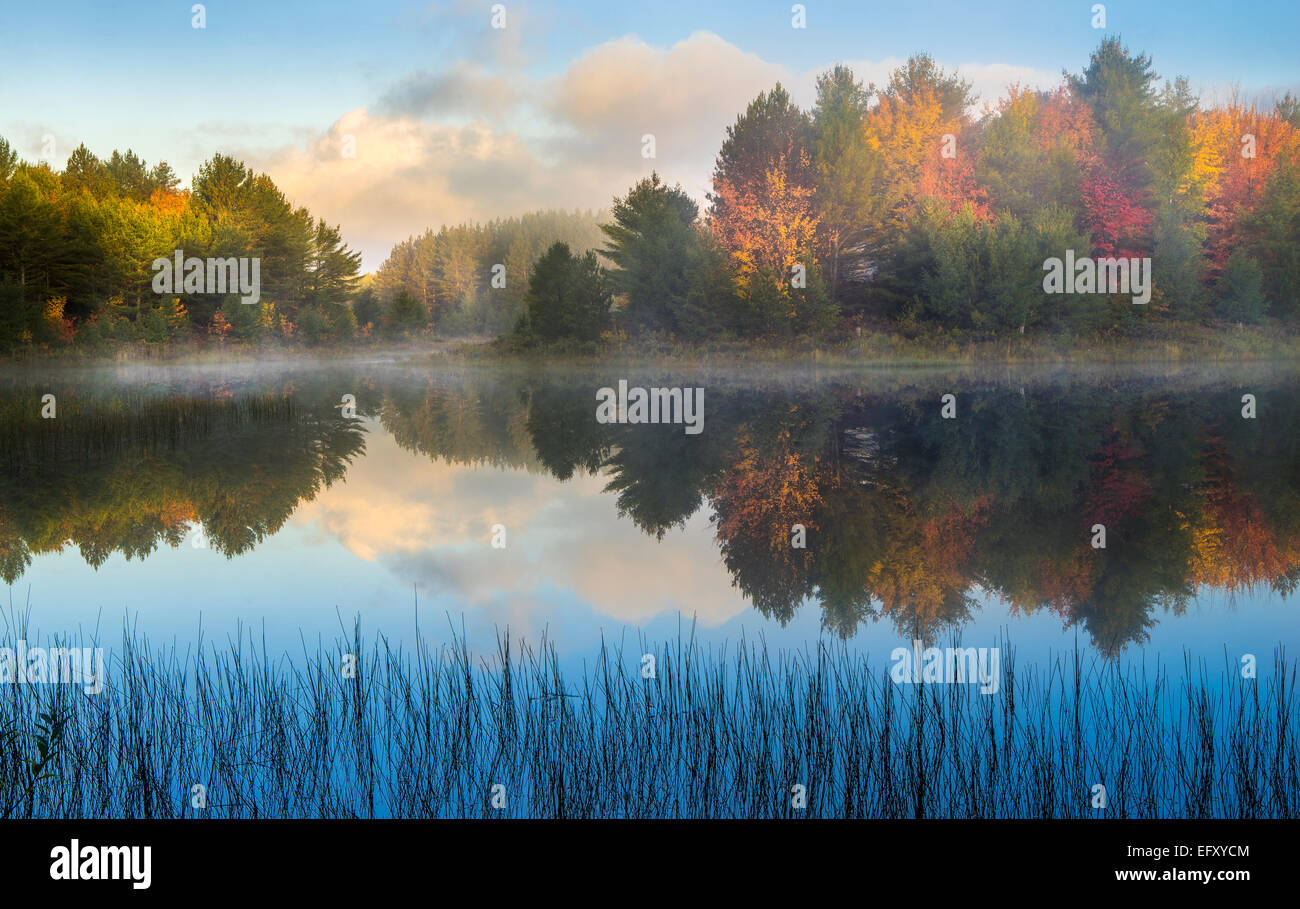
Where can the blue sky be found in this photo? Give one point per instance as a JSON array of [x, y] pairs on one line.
[[453, 120]]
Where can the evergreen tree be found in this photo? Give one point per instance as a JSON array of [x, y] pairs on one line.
[[1241, 290], [846, 167], [652, 240], [568, 296]]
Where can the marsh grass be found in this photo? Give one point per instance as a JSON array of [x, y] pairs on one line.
[[427, 732]]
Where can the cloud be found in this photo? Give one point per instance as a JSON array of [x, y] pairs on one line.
[[991, 80], [685, 96], [469, 89], [465, 29], [409, 175], [478, 141]]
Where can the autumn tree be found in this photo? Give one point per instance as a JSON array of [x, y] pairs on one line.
[[917, 131], [1033, 150], [769, 229], [921, 76], [771, 131], [763, 213], [1119, 88], [1239, 148]]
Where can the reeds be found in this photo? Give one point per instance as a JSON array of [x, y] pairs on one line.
[[430, 731]]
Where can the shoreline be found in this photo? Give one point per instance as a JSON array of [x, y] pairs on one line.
[[877, 349]]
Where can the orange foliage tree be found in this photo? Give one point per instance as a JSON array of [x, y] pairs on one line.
[[1237, 150]]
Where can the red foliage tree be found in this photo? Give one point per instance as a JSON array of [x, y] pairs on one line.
[[1120, 225]]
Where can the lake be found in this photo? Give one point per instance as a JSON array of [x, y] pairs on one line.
[[170, 496], [1141, 520]]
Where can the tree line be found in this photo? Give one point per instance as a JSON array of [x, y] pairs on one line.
[[77, 247], [470, 279], [900, 208], [904, 207]]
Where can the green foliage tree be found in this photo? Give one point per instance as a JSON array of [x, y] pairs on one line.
[[342, 320], [568, 297], [1274, 228], [8, 161], [87, 238], [921, 74], [32, 242], [453, 272], [86, 173], [1179, 229], [1119, 86], [1240, 296], [987, 275], [366, 308], [846, 167], [405, 314], [331, 268], [772, 131], [652, 241], [313, 324], [710, 307]]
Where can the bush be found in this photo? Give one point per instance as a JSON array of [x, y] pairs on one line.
[[245, 319], [366, 308]]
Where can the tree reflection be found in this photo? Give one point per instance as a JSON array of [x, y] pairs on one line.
[[129, 474], [905, 516]]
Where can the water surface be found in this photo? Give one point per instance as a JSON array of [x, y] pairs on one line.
[[209, 499]]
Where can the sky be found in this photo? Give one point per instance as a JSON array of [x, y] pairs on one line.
[[389, 118]]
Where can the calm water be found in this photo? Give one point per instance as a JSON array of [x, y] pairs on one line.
[[208, 499]]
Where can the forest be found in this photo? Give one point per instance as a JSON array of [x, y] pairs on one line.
[[905, 207]]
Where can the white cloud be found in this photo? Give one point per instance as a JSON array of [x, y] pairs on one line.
[[991, 80], [685, 96], [409, 175]]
